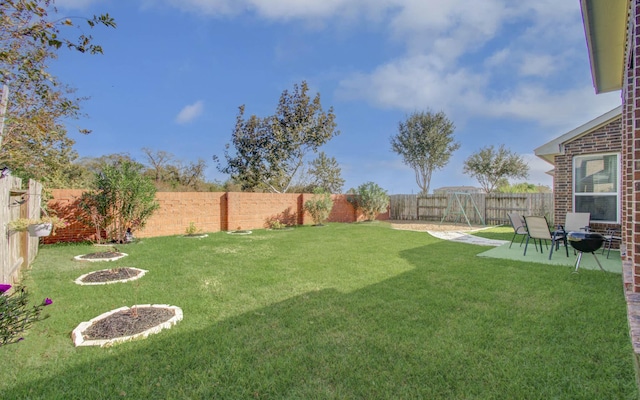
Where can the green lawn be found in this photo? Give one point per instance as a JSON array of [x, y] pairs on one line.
[[346, 311]]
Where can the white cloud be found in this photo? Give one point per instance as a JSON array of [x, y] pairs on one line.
[[461, 56], [190, 112], [537, 65], [498, 58], [413, 83]]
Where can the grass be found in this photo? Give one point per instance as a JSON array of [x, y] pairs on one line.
[[342, 311]]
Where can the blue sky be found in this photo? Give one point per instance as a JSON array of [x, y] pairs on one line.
[[175, 71]]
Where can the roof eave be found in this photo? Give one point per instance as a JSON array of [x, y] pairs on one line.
[[549, 150], [605, 24]]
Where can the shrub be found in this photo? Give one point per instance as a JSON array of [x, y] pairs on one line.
[[319, 206], [122, 202], [15, 315], [192, 230], [276, 224], [369, 199]]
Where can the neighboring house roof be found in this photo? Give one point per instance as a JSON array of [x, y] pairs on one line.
[[549, 150], [605, 24]]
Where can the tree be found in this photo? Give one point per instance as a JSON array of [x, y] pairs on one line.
[[325, 173], [166, 171], [425, 143], [369, 199], [268, 152], [158, 161], [524, 187], [489, 166], [35, 143], [123, 200]]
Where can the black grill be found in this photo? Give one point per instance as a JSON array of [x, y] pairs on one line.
[[587, 242]]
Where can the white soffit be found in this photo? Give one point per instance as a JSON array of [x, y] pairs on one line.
[[605, 25], [555, 147]]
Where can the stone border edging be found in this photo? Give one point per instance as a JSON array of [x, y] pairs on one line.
[[133, 278], [79, 339], [79, 258]]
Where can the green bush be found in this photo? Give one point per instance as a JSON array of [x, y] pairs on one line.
[[319, 206], [369, 199], [122, 202]]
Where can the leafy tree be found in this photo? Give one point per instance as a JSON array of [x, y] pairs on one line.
[[34, 143], [166, 171], [268, 152], [325, 173], [123, 200], [425, 143], [86, 168], [319, 206], [369, 199], [505, 187], [489, 166]]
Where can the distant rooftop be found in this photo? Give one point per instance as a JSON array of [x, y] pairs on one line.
[[458, 189]]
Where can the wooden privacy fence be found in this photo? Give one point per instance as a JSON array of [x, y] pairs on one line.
[[491, 209], [17, 249]]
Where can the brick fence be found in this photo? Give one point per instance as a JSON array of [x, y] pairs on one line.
[[209, 211]]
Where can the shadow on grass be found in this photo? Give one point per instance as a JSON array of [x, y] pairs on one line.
[[451, 328]]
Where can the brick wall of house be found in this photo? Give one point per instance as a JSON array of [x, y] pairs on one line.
[[210, 212], [605, 139], [631, 145]]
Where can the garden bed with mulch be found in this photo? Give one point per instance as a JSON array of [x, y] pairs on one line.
[[113, 275], [124, 324], [128, 322], [101, 256]]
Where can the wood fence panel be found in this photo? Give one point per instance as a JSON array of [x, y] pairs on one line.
[[492, 209], [403, 206], [17, 249], [34, 210], [432, 207]]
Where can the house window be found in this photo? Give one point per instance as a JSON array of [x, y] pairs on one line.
[[596, 188]]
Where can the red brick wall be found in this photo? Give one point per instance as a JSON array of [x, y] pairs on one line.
[[178, 210], [211, 212], [64, 203], [605, 139], [631, 145], [255, 210]]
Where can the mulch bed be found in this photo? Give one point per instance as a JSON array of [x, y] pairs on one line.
[[127, 323], [109, 275], [101, 254]]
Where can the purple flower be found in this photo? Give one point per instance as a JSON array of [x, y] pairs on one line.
[[47, 301], [4, 287]]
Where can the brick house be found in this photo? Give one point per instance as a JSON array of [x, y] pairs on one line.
[[586, 173], [612, 30]]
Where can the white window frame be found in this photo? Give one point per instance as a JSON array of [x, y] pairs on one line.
[[617, 193]]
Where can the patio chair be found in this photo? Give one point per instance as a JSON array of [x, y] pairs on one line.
[[538, 229], [577, 221], [518, 225], [611, 235]]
